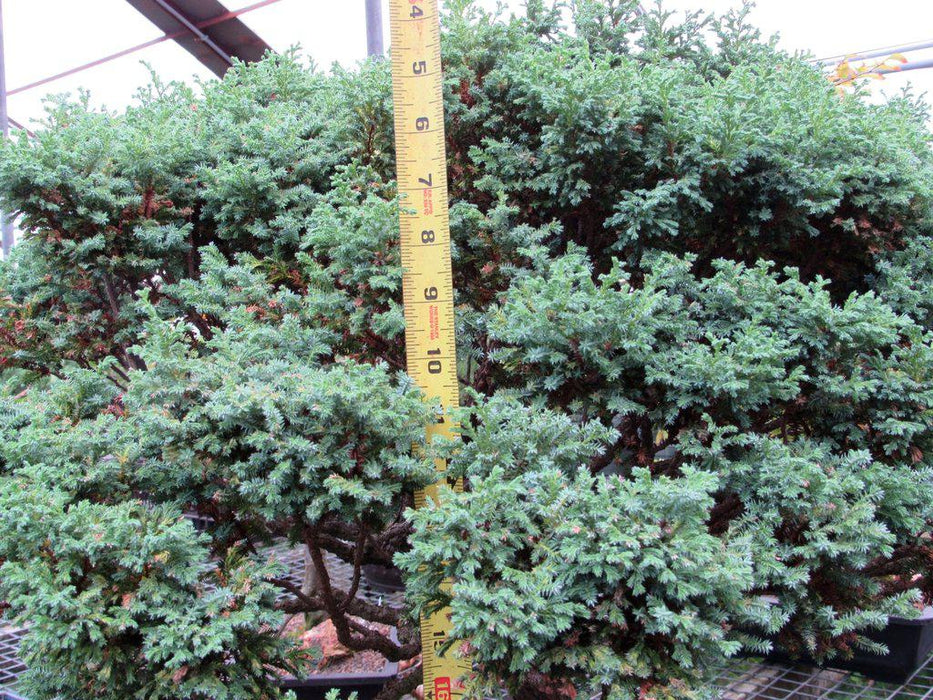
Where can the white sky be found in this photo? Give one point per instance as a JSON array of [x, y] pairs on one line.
[[44, 37]]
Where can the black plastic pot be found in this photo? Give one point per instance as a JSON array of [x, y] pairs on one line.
[[366, 685], [385, 579], [909, 644]]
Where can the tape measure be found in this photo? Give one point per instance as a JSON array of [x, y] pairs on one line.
[[427, 281]]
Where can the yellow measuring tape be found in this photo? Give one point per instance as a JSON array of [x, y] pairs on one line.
[[425, 247]]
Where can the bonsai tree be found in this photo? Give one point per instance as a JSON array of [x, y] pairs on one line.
[[694, 325]]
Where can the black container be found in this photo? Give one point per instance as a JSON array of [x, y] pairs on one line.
[[385, 579], [366, 685], [909, 644]]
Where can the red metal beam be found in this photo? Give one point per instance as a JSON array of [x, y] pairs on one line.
[[15, 123]]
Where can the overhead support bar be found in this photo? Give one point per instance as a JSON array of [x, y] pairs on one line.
[[216, 45], [878, 53], [910, 65], [193, 28], [139, 47]]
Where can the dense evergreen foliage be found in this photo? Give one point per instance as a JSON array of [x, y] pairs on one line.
[[695, 315]]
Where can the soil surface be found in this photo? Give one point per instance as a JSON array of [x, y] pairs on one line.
[[368, 662], [335, 657]]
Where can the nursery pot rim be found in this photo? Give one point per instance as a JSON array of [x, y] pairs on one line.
[[923, 619], [324, 679]]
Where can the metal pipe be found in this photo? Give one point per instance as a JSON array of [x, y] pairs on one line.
[[912, 65], [92, 64], [374, 42], [6, 222], [19, 126], [193, 28], [878, 53]]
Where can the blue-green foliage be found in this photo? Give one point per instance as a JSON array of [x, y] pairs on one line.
[[115, 589], [574, 575], [694, 310]]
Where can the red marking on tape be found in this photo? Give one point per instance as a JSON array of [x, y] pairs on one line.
[[434, 321], [428, 202]]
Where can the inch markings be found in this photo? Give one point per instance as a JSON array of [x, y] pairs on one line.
[[417, 87]]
